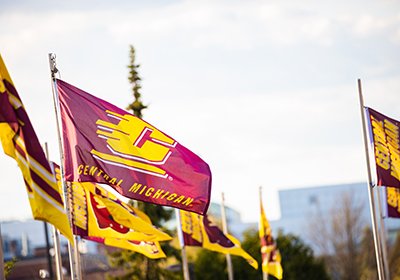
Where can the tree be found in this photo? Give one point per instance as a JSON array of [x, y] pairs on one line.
[[138, 266], [298, 261], [251, 244], [394, 259], [137, 105], [210, 265], [339, 237], [368, 262]]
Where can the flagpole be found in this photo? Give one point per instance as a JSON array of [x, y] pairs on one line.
[[375, 233], [2, 272], [57, 253], [264, 274], [225, 230], [49, 262], [56, 237], [72, 248], [77, 256], [185, 266], [383, 235]]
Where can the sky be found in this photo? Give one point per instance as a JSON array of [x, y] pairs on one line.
[[264, 91]]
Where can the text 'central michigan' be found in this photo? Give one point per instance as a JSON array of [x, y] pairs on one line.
[[105, 144]]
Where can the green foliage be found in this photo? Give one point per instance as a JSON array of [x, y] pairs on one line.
[[298, 261], [210, 265], [251, 244], [137, 267], [8, 266]]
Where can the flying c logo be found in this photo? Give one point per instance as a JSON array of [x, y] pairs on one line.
[[134, 144]]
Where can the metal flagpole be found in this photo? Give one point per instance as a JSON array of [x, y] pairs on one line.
[[49, 262], [264, 274], [57, 253], [2, 272], [383, 235], [185, 266], [72, 248], [56, 238], [225, 230], [377, 243], [77, 257]]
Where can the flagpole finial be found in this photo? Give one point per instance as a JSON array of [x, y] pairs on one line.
[[52, 62]]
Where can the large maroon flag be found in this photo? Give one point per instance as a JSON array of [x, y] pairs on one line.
[[105, 144], [385, 135]]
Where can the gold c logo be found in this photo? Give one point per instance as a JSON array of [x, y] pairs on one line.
[[134, 144]]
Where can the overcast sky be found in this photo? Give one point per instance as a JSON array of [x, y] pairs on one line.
[[264, 91]]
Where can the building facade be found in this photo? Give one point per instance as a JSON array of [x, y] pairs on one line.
[[301, 207]]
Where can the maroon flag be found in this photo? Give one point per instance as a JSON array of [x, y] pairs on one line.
[[105, 144], [19, 141], [385, 136], [199, 231], [393, 202], [270, 255]]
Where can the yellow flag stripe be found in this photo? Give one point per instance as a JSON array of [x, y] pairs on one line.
[[49, 199], [33, 185], [37, 167]]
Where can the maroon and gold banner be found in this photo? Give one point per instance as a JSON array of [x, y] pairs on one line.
[[151, 249], [105, 144], [385, 136], [20, 142], [199, 231], [271, 257], [105, 219], [98, 213], [393, 202]]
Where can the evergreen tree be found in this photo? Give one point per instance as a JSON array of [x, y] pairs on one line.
[[298, 261], [137, 105], [135, 265], [210, 265]]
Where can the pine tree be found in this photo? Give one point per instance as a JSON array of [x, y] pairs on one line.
[[137, 105], [135, 265]]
